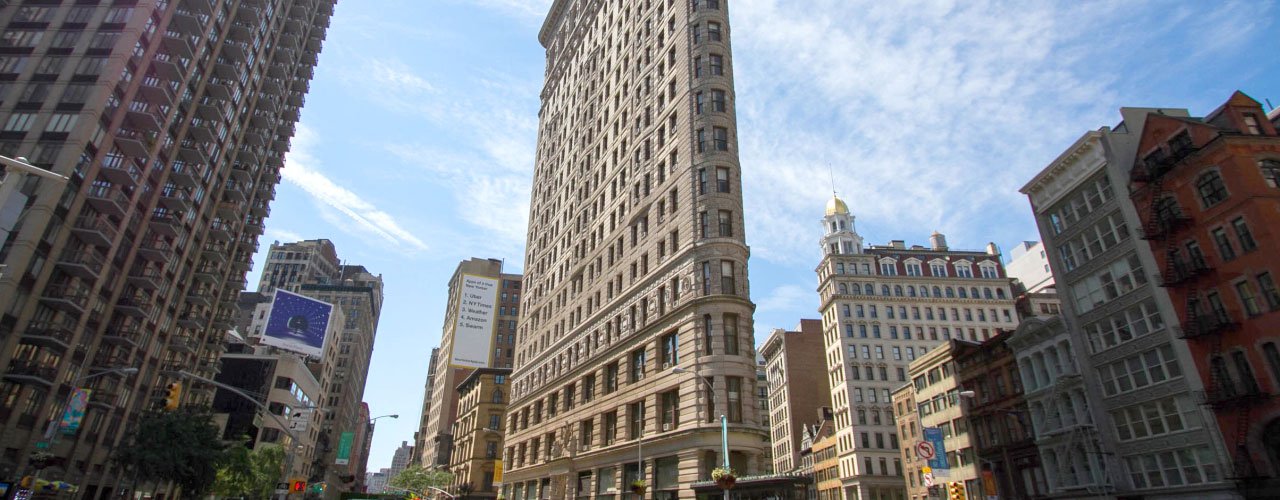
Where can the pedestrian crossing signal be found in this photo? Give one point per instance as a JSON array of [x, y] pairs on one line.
[[298, 487], [173, 396]]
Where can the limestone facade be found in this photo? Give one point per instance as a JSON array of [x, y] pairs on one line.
[[635, 262]]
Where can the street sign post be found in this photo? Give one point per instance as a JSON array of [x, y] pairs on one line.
[[924, 449]]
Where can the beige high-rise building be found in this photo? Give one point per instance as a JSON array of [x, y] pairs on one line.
[[797, 392], [635, 263], [457, 357], [883, 307]]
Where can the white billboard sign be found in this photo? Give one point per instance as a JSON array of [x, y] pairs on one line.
[[473, 332]]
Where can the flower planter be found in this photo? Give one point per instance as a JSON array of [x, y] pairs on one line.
[[726, 482], [639, 490]]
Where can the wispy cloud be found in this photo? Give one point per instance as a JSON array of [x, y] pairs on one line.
[[930, 113], [524, 10], [784, 301], [283, 235], [301, 170]]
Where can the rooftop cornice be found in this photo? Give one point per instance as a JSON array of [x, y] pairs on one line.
[[1066, 160]]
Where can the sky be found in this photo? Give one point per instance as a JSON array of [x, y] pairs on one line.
[[415, 149]]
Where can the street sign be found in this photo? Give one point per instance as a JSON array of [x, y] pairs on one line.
[[928, 479], [924, 449]]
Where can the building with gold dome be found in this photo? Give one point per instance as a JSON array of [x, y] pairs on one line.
[[883, 307]]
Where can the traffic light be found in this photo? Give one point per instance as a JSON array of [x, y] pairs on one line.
[[955, 491], [173, 396], [298, 487]]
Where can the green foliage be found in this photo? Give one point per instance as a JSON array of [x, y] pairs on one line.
[[249, 474], [420, 479], [181, 447], [722, 472]]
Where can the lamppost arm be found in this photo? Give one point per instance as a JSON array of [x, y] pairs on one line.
[[20, 164]]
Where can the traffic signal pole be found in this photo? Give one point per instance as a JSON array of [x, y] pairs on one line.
[[293, 438]]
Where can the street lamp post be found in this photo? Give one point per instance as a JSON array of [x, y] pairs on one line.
[[724, 424], [51, 431], [14, 168]]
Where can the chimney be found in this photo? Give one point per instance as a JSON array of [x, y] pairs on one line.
[[938, 241], [992, 249], [898, 244]]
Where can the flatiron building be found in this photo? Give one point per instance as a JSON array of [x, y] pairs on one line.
[[636, 329]]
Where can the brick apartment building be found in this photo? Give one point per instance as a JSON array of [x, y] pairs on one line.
[[1208, 192]]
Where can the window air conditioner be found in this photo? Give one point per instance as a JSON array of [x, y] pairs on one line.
[[666, 427]]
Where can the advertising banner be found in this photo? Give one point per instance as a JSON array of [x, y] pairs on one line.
[[297, 323], [74, 412], [939, 460], [344, 448], [473, 334]]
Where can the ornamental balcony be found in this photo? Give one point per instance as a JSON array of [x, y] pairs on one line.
[[108, 200], [96, 231], [84, 263], [69, 297], [48, 334], [21, 371]]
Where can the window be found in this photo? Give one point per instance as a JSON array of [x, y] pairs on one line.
[[717, 65], [697, 101], [610, 427], [731, 334], [718, 101], [727, 284], [1211, 189], [635, 420], [1273, 359], [1251, 124], [1270, 172], [637, 365], [611, 377], [1225, 250], [670, 410], [1269, 292], [888, 269], [722, 179], [1243, 235], [1248, 298], [725, 220], [721, 138], [713, 32], [913, 269], [701, 139], [670, 350], [735, 398], [19, 122]]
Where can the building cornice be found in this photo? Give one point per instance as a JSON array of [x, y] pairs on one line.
[[551, 22]]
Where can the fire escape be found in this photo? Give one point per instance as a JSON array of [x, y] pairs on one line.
[[1204, 320]]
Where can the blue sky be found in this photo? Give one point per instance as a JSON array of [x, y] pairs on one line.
[[415, 149]]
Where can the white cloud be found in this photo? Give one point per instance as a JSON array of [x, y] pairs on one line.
[[524, 10], [283, 235], [300, 170], [785, 299]]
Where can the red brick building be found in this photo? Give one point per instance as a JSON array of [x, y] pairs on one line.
[[999, 420], [1208, 193]]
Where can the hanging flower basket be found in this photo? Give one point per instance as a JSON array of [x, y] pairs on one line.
[[724, 477], [638, 486]]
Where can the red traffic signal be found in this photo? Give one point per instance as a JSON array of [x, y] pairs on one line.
[[298, 486]]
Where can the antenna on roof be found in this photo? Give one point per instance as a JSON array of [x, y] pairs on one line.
[[832, 173], [1269, 106]]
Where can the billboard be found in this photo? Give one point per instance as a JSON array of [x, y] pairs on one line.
[[473, 332], [939, 460], [74, 412], [344, 448], [297, 323]]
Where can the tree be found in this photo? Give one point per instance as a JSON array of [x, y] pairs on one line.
[[249, 473], [181, 447], [419, 479]]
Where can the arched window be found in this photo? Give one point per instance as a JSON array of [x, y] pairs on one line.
[[924, 291], [951, 294], [871, 290], [973, 292], [897, 290], [843, 289], [1000, 293], [937, 292], [1211, 188], [1167, 209], [1270, 172], [986, 293], [497, 395], [963, 294], [884, 290], [911, 291]]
